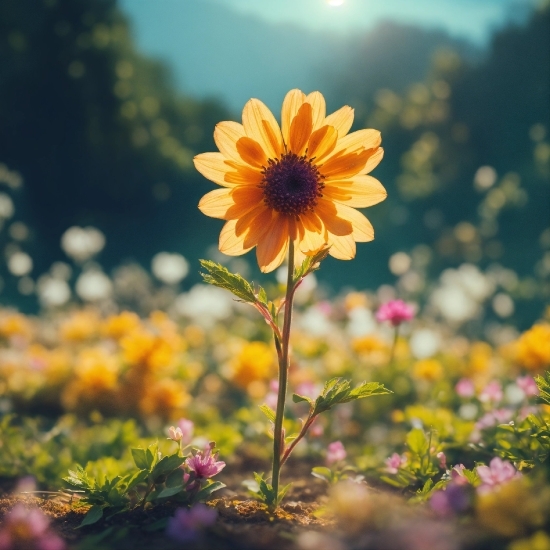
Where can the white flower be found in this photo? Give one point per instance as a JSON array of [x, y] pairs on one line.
[[53, 292], [204, 304], [169, 268], [93, 285], [20, 264], [82, 243], [424, 343]]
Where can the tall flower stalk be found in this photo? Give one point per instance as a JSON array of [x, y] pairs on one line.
[[291, 191]]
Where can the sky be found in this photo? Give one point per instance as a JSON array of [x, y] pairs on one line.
[[232, 50], [471, 19]]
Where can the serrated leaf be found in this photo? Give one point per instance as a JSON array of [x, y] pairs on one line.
[[94, 514], [269, 412], [262, 296], [543, 384], [282, 492], [221, 277], [297, 398], [310, 264]]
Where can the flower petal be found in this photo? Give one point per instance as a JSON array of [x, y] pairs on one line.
[[374, 161], [230, 243], [216, 203], [363, 232], [300, 129], [213, 167], [342, 119], [272, 248], [327, 211], [258, 227], [359, 192], [357, 141], [319, 108], [243, 174], [260, 125], [226, 135], [245, 198], [251, 152], [345, 165], [292, 102], [342, 248], [322, 142]]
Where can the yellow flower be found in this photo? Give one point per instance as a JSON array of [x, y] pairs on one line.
[[533, 348], [15, 324], [166, 398], [117, 326], [254, 363], [82, 325], [428, 369], [97, 370], [301, 181]]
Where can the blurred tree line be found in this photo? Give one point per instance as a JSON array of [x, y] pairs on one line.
[[101, 137]]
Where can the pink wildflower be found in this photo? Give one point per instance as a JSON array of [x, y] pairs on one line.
[[186, 427], [492, 392], [393, 463], [187, 524], [457, 475], [492, 418], [204, 464], [174, 433], [465, 388], [335, 453], [527, 385], [28, 528], [395, 311], [498, 472]]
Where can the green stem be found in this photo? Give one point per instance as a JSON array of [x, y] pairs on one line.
[[278, 445], [395, 338]]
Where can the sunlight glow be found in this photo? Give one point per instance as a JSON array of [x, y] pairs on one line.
[[335, 3]]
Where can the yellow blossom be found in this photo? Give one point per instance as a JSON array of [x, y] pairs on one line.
[[80, 326], [428, 369], [117, 326], [533, 348], [165, 398], [15, 324], [255, 362]]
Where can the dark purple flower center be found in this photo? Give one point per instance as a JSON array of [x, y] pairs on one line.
[[291, 184]]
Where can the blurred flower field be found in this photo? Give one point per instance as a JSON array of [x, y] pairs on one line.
[[102, 383]]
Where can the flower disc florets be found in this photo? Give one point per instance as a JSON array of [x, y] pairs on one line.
[[292, 184]]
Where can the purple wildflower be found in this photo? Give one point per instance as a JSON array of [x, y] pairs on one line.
[[204, 464], [395, 311], [28, 528], [187, 524], [451, 500], [335, 453]]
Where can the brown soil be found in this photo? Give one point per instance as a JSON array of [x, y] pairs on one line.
[[242, 524]]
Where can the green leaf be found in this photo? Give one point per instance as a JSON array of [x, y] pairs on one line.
[[170, 491], [297, 398], [282, 492], [543, 384], [140, 459], [175, 478], [262, 296], [135, 479], [322, 473], [221, 277], [269, 412], [417, 442], [94, 514], [205, 492], [167, 464], [310, 264]]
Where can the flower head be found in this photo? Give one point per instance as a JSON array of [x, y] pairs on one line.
[[393, 463], [335, 453], [187, 524], [395, 311], [299, 182], [204, 464], [498, 472]]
